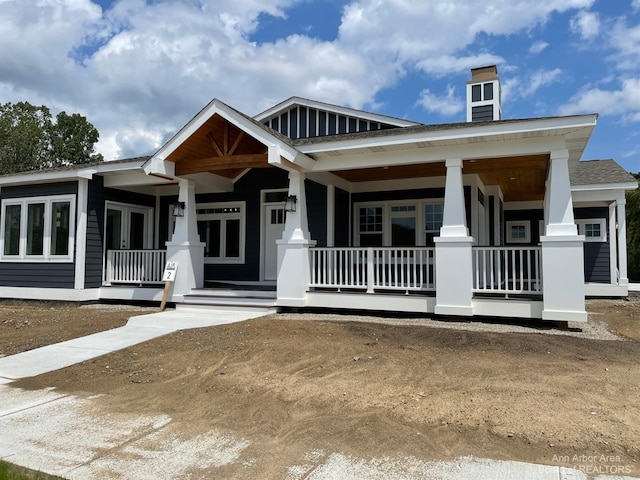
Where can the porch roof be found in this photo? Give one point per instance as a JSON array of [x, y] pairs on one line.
[[224, 141]]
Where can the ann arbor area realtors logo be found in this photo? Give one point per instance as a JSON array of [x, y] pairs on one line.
[[594, 464]]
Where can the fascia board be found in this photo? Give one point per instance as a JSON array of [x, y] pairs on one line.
[[45, 177], [490, 132], [605, 186], [282, 106]]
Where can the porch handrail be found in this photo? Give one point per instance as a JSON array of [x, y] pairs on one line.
[[371, 268], [516, 270], [135, 266]]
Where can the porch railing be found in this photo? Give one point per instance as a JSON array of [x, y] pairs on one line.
[[516, 270], [134, 266], [382, 268]]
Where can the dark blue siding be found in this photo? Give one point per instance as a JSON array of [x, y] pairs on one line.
[[317, 211], [597, 267], [398, 195], [533, 216], [246, 189], [342, 224], [33, 274], [97, 197]]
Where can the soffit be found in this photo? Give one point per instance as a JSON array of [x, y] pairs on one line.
[[520, 178], [221, 148]]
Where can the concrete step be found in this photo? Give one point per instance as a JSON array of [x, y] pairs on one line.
[[233, 300]]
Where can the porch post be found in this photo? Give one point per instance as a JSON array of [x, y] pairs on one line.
[[562, 248], [293, 249], [622, 241], [185, 246], [454, 269]]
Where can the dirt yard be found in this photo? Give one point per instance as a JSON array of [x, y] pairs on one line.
[[295, 384]]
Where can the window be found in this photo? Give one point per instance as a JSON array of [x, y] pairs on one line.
[[519, 231], [594, 230], [432, 221], [482, 92], [38, 229], [370, 226], [221, 227]]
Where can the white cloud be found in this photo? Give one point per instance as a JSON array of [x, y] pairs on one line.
[[624, 102], [140, 70], [446, 105], [527, 86], [626, 41], [635, 4], [538, 47], [586, 24]]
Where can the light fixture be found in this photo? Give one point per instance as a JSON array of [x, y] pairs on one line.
[[177, 209], [290, 203]]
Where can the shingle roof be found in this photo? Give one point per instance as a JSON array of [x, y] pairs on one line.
[[599, 172], [79, 166]]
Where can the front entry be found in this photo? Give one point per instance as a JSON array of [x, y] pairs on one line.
[[127, 227], [274, 219]]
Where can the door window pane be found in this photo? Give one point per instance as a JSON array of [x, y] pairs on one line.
[[136, 230], [35, 229], [232, 240], [60, 212], [12, 230], [114, 229]]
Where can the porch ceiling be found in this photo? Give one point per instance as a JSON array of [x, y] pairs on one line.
[[221, 148], [520, 178]]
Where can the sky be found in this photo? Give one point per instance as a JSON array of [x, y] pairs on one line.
[[140, 70]]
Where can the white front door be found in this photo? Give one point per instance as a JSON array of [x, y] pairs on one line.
[[274, 218], [127, 227]]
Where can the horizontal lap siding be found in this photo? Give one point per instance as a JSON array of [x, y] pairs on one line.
[[342, 223], [97, 198], [38, 274], [597, 268]]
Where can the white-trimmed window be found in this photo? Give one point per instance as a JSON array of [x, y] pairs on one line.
[[370, 225], [221, 227], [38, 229], [519, 231], [433, 215], [593, 229]]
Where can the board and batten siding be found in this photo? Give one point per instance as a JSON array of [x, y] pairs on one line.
[[317, 211], [304, 122], [38, 274], [247, 189]]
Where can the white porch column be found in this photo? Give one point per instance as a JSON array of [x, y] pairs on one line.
[[613, 245], [622, 241], [293, 249], [454, 269], [185, 246], [562, 248]]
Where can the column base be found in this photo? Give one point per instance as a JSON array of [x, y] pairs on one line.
[[190, 273]]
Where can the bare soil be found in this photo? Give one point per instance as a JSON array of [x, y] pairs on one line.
[[294, 384]]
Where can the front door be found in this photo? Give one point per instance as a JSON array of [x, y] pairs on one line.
[[274, 218], [127, 227]]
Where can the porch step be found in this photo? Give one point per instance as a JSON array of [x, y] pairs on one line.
[[231, 299]]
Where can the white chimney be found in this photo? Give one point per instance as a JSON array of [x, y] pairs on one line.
[[483, 95]]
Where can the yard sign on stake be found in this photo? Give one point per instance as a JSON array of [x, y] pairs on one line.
[[168, 276]]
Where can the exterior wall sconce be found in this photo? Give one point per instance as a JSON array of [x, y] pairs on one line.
[[177, 209], [290, 203]]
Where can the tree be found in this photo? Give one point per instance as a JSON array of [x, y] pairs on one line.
[[23, 136], [30, 140], [72, 139], [633, 232]]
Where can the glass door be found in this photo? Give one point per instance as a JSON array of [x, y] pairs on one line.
[[127, 227]]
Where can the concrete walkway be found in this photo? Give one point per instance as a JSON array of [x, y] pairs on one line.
[[72, 437]]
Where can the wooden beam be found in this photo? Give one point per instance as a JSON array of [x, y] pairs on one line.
[[236, 143], [215, 144], [210, 164]]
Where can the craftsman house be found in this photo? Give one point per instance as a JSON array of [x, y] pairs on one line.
[[315, 205]]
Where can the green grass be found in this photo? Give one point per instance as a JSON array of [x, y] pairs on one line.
[[9, 471]]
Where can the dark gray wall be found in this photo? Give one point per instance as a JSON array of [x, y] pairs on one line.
[[43, 274], [597, 267]]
